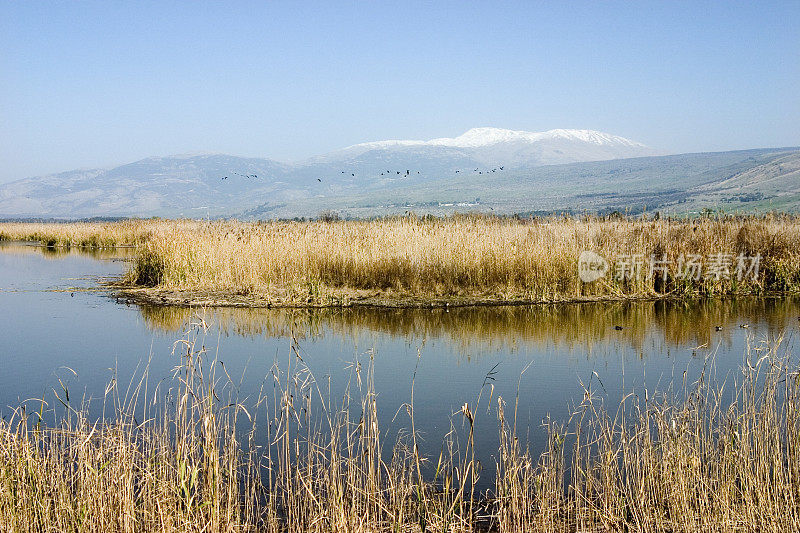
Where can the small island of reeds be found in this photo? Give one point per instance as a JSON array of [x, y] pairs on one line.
[[424, 261]]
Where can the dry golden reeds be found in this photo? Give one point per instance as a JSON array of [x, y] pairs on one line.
[[716, 456], [467, 257], [79, 234]]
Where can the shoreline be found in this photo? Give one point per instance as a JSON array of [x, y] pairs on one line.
[[373, 299]]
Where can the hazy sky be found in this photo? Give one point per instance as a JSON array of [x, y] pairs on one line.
[[87, 84]]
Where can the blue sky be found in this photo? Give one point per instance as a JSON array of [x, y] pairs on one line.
[[88, 84]]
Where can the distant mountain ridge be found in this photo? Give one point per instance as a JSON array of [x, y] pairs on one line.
[[487, 136], [510, 147], [483, 169]]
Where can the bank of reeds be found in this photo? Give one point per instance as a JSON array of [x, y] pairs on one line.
[[712, 455], [465, 258], [472, 258], [81, 234]]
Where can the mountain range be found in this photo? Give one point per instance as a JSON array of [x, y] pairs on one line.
[[485, 169]]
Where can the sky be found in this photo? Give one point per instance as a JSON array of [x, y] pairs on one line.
[[96, 84]]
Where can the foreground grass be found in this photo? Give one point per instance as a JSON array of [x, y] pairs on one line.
[[720, 457], [462, 259]]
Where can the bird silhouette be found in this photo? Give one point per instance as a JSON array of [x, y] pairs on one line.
[[319, 180], [501, 168]]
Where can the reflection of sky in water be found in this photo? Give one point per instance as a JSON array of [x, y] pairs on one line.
[[43, 331]]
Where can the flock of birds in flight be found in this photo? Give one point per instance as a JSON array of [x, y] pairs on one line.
[[254, 176], [388, 172]]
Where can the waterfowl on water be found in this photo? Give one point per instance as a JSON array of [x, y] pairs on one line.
[[618, 328], [718, 328], [744, 326]]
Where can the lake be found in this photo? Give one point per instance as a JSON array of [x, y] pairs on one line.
[[59, 324]]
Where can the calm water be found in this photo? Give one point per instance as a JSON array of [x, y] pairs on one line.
[[50, 331]]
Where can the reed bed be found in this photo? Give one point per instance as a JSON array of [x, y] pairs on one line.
[[468, 257], [82, 234], [711, 455]]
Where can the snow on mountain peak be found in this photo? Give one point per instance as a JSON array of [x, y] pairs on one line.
[[477, 137]]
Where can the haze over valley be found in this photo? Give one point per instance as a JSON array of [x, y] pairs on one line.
[[484, 169]]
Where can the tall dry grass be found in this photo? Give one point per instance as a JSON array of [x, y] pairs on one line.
[[80, 234], [467, 257], [716, 455], [470, 257]]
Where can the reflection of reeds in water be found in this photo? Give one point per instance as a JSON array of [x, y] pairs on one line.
[[573, 326], [176, 459], [60, 252], [235, 321]]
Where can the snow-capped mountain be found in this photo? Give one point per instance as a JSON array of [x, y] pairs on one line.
[[477, 137], [218, 184], [493, 146]]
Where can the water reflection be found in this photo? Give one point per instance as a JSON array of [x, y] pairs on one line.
[[61, 252], [565, 326], [48, 327]]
